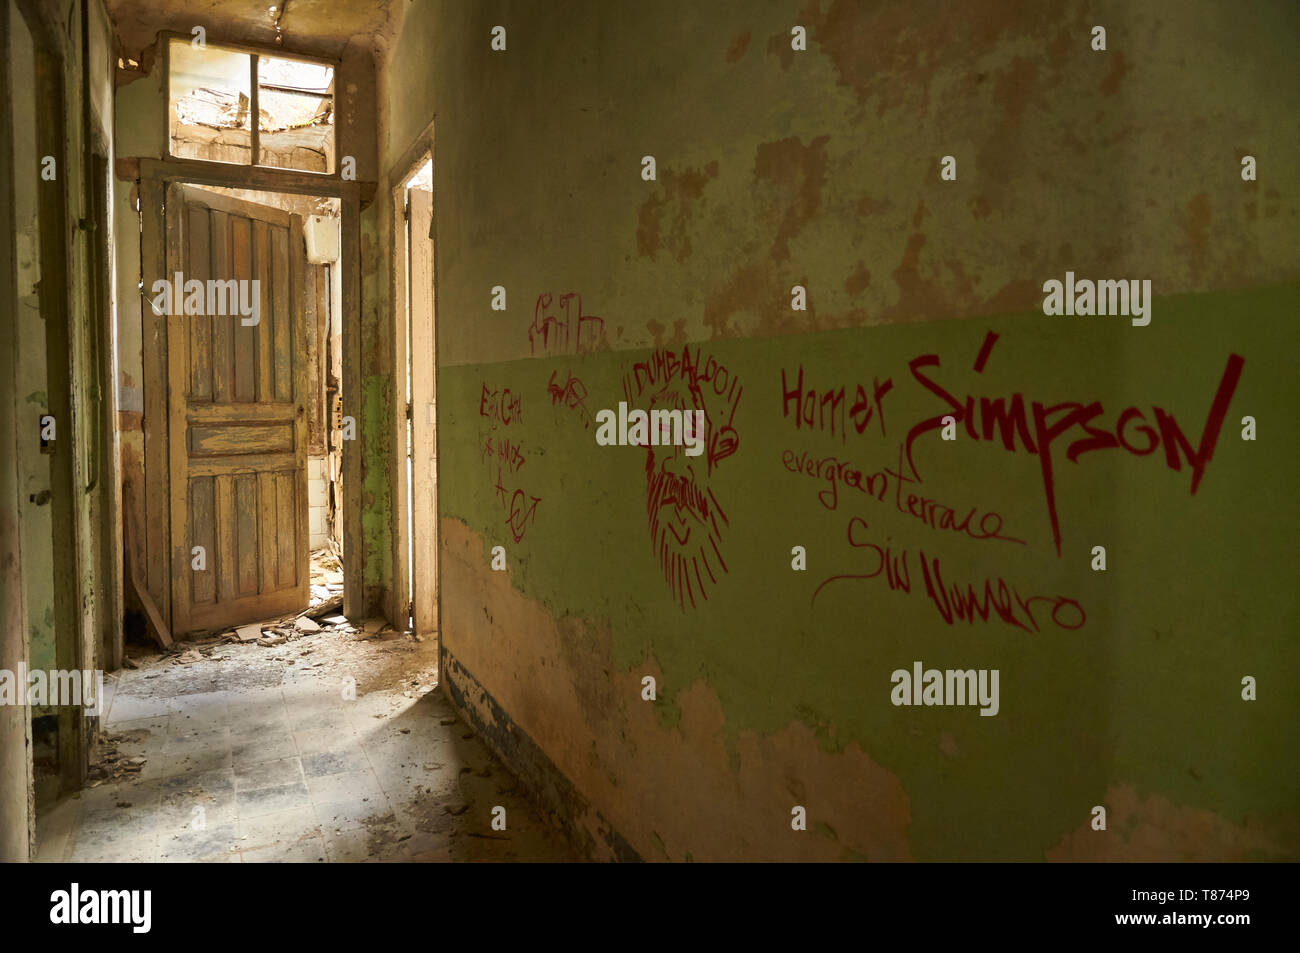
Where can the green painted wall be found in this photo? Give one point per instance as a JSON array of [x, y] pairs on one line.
[[821, 168], [1197, 593]]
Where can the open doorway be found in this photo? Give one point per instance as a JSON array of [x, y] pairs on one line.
[[316, 302], [293, 732], [417, 524], [254, 383]]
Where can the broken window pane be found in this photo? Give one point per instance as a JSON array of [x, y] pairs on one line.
[[295, 114], [210, 103]]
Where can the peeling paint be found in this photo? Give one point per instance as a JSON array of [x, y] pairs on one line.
[[795, 173], [761, 703], [738, 47], [674, 200], [611, 746], [821, 168], [1153, 829], [376, 513]]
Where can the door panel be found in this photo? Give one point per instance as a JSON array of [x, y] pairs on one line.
[[238, 442], [424, 465]]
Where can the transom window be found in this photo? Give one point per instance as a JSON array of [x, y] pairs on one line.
[[214, 92]]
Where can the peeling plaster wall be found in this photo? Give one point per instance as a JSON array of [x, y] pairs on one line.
[[374, 423], [821, 168], [31, 373], [62, 604], [140, 98], [314, 27]]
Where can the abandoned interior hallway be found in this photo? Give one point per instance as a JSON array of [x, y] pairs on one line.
[[273, 694], [523, 430]]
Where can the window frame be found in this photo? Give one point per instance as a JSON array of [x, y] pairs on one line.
[[167, 37]]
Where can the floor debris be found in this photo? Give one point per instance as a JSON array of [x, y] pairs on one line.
[[285, 767], [249, 725]]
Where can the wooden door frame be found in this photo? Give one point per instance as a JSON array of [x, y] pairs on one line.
[[58, 295], [155, 177], [108, 470], [17, 819], [419, 152]]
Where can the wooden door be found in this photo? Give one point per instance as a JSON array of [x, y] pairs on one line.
[[424, 447], [236, 413]]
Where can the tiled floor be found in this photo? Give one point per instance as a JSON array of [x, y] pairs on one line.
[[287, 770]]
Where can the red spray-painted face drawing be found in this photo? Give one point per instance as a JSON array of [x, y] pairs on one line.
[[685, 519]]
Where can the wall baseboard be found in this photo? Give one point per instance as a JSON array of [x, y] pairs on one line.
[[591, 835]]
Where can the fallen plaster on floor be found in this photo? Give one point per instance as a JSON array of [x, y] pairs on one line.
[[249, 753]]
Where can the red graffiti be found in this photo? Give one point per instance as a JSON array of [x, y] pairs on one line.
[[506, 451], [686, 522], [570, 394], [520, 508], [931, 511], [990, 419], [501, 407], [1017, 423], [831, 410], [712, 386], [998, 599], [560, 327]]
